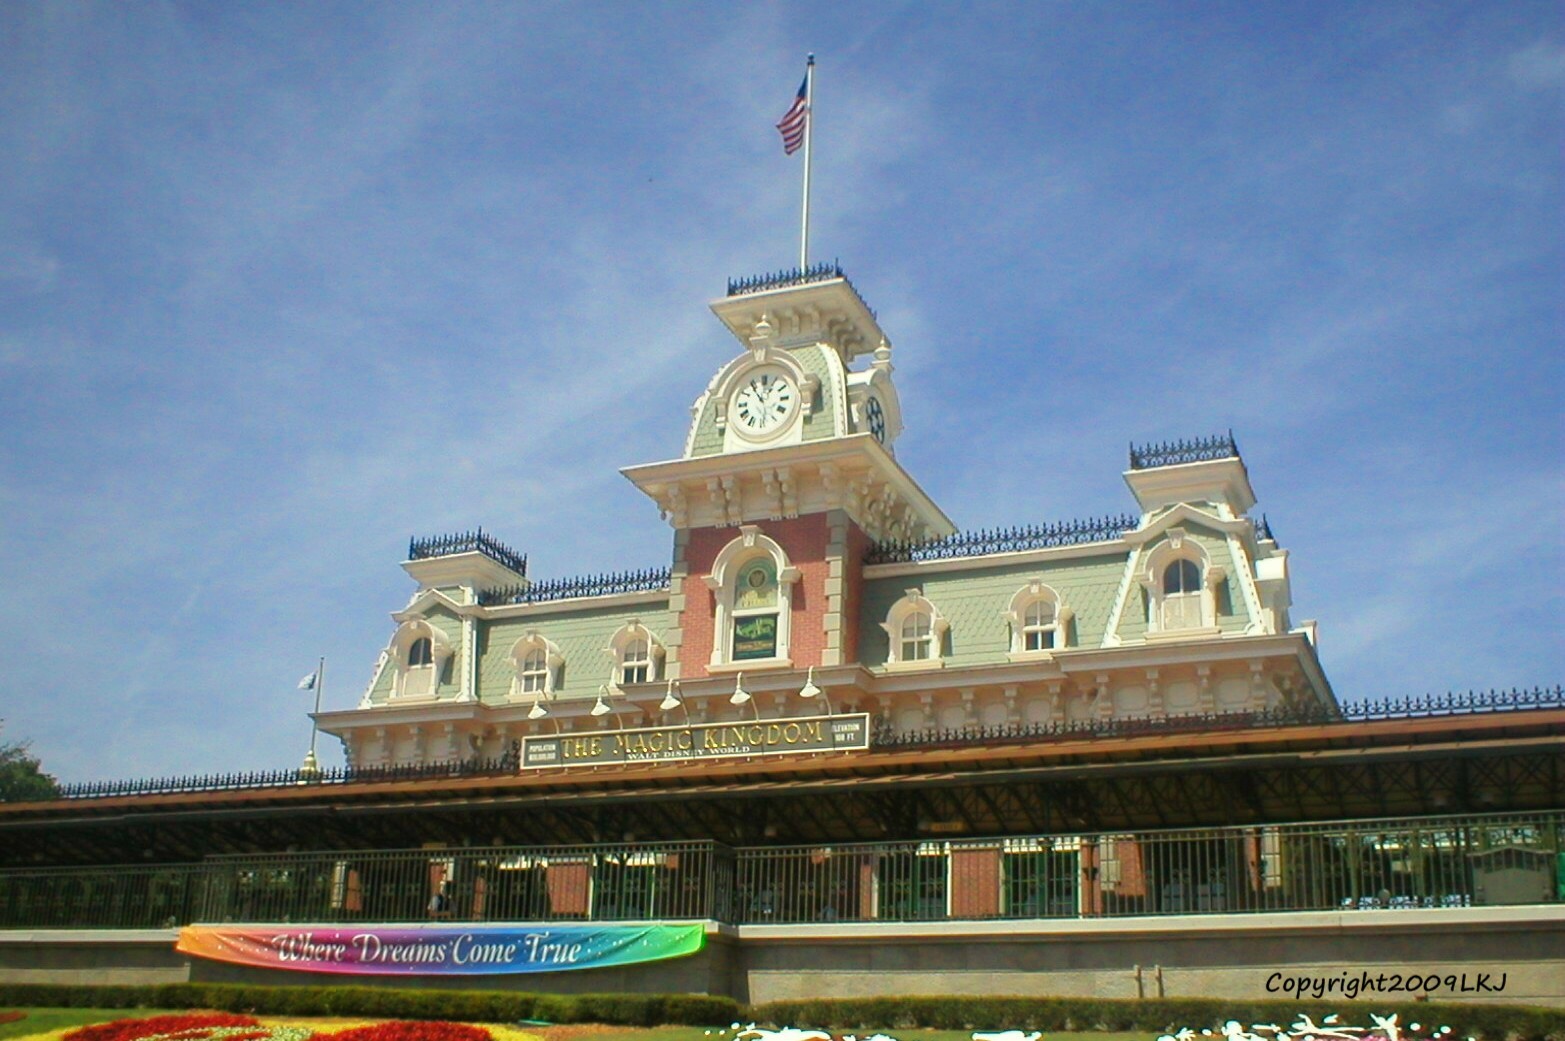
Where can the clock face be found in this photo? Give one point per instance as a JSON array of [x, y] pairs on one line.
[[875, 418], [764, 402]]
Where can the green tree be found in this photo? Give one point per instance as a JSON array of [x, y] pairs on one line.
[[21, 775]]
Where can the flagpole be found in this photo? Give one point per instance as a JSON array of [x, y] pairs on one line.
[[809, 132], [311, 764]]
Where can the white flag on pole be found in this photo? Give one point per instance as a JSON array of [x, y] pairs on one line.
[[308, 683]]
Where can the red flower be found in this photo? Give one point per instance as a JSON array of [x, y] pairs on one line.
[[191, 1026], [410, 1031]]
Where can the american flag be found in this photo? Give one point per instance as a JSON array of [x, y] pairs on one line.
[[792, 124]]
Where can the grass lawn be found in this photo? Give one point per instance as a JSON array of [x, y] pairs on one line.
[[44, 1020], [46, 1024]]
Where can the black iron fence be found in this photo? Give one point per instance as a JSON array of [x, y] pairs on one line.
[[479, 766], [799, 276], [1391, 865], [644, 882], [821, 272], [1191, 450], [468, 542], [122, 897], [986, 541], [571, 588], [1372, 865]]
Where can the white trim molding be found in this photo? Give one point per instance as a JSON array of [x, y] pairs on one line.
[[402, 641], [621, 642], [932, 636], [1177, 547], [533, 642], [1033, 593]]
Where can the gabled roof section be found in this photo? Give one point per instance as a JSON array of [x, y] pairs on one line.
[[1183, 513], [426, 600]]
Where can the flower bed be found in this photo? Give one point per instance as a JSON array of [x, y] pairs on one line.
[[233, 1027], [167, 1028], [409, 1031]]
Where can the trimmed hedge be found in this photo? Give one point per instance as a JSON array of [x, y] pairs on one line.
[[1155, 1016], [474, 1006]]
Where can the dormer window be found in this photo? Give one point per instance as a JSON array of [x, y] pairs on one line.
[[535, 672], [1181, 595], [636, 665], [635, 654], [1040, 623], [916, 631], [1038, 626], [1180, 583], [538, 664], [419, 652]]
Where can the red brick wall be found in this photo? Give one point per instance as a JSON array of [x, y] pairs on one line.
[[853, 590], [804, 540], [975, 883]]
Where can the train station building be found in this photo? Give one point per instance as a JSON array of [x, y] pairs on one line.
[[839, 746]]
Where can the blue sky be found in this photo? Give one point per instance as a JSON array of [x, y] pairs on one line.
[[283, 284]]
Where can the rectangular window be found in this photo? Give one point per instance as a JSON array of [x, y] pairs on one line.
[[755, 637]]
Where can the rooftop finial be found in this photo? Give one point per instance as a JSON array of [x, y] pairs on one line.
[[761, 337]]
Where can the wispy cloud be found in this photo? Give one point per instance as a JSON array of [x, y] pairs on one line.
[[281, 286]]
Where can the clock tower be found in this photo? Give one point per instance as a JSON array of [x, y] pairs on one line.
[[788, 476]]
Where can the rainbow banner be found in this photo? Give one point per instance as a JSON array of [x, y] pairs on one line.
[[440, 950]]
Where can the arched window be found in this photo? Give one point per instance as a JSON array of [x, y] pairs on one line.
[[752, 586], [1181, 595], [535, 672], [1040, 623], [1180, 582], [635, 654], [421, 652], [916, 632], [537, 663], [755, 610]]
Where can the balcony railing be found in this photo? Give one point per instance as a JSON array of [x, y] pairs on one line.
[[645, 580], [1391, 865], [1428, 863], [821, 272], [468, 542], [646, 882], [1193, 450], [987, 541]]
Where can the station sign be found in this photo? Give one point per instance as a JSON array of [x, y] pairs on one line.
[[792, 736]]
